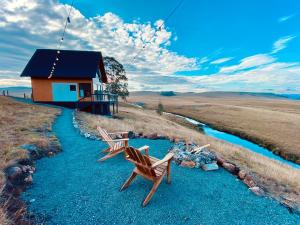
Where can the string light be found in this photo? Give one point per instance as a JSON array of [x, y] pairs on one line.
[[68, 20], [159, 29]]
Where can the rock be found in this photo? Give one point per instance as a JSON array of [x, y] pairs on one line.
[[28, 179], [176, 140], [189, 164], [87, 135], [14, 173], [242, 174], [256, 190], [162, 137], [131, 135], [210, 167], [182, 152], [220, 160], [153, 136], [249, 182], [188, 142], [229, 167], [25, 162]]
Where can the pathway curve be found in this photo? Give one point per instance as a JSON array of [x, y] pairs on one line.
[[72, 188]]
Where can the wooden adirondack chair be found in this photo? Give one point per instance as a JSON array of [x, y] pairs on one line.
[[116, 146], [148, 167]]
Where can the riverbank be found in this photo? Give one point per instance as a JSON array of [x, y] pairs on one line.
[[230, 138], [277, 180], [269, 122], [26, 135]]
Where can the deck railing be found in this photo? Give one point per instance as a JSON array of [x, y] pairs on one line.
[[98, 98]]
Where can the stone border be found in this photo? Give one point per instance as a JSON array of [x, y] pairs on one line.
[[19, 177]]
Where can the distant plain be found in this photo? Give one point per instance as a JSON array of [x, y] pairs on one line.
[[269, 120]]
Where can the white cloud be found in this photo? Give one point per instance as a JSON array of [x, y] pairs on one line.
[[221, 60], [273, 77], [249, 62], [281, 43], [28, 25], [285, 18], [8, 82], [203, 60]]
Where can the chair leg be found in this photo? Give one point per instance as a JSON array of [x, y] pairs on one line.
[[128, 181], [110, 155], [169, 173], [155, 186]]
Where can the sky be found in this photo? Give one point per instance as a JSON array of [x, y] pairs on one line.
[[205, 45]]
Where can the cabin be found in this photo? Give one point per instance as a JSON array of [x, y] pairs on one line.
[[77, 81]]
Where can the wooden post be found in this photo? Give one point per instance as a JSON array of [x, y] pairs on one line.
[[6, 92], [117, 104], [3, 92], [24, 95]]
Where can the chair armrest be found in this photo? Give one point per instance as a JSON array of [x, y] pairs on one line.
[[116, 140], [198, 149], [121, 132], [167, 158], [144, 148]]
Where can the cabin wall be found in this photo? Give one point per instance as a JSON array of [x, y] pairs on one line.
[[42, 88]]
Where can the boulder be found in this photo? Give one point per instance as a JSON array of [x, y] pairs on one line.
[[256, 190], [189, 164], [220, 160], [153, 136], [229, 167], [210, 167], [28, 179], [249, 181], [242, 174], [14, 173], [131, 135]]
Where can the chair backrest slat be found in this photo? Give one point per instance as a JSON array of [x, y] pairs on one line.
[[141, 161], [105, 136]]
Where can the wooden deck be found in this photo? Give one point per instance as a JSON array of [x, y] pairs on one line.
[[103, 104]]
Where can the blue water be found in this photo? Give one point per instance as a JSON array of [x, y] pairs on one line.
[[240, 142], [72, 188], [247, 144]]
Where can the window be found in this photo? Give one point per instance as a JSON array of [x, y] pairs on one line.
[[72, 87]]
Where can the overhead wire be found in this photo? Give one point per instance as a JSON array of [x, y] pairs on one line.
[[159, 29]]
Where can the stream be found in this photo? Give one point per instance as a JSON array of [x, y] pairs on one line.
[[248, 145]]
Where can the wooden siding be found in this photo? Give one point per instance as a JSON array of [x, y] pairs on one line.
[[42, 88]]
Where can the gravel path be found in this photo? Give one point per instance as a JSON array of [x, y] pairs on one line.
[[72, 188]]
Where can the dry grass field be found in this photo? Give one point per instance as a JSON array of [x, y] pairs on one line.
[[278, 179], [20, 124], [271, 122]]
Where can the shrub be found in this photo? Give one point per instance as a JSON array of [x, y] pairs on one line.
[[160, 109]]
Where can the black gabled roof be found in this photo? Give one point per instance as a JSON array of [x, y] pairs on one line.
[[71, 64]]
